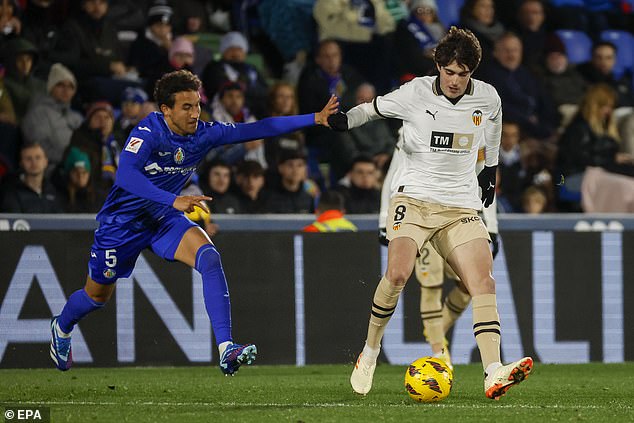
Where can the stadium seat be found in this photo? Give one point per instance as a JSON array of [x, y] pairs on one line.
[[449, 12], [624, 42], [578, 45]]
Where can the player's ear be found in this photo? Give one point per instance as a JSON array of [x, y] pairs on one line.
[[165, 109]]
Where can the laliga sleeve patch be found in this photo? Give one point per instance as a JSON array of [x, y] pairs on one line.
[[134, 145]]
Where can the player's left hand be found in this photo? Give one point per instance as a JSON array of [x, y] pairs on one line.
[[186, 203], [486, 180], [495, 244], [321, 118]]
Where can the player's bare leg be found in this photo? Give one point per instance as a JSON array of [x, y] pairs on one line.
[[196, 250], [473, 262], [401, 255]]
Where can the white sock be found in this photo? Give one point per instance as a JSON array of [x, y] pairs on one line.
[[60, 333], [492, 368], [370, 354], [223, 346]]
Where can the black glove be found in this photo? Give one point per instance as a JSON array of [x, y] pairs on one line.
[[383, 237], [495, 244], [486, 180], [338, 121]]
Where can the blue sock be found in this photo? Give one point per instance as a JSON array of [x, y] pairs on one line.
[[215, 291], [78, 305]]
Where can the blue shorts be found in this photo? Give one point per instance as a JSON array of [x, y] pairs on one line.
[[116, 248]]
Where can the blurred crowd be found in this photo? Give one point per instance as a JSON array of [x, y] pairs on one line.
[[77, 76]]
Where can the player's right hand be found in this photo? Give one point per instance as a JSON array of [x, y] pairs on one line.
[[321, 118], [186, 203], [338, 121]]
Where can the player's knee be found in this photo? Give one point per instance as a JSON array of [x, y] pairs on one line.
[[101, 293], [398, 276], [207, 258], [485, 285]]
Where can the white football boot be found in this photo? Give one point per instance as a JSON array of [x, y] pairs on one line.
[[362, 374], [504, 377]]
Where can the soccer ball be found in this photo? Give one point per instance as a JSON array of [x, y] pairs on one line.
[[428, 379]]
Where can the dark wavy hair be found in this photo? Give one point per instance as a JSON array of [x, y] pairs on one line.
[[459, 45], [172, 83]]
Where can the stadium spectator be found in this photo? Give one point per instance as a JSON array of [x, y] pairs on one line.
[[9, 133], [250, 183], [79, 194], [524, 98], [50, 121], [330, 215], [534, 201], [128, 15], [291, 28], [592, 140], [215, 182], [531, 29], [510, 170], [287, 195], [562, 80], [22, 85], [373, 139], [181, 54], [282, 102], [30, 191], [360, 189], [43, 26], [415, 39], [95, 138], [479, 17], [327, 77], [149, 53], [132, 112], [228, 106], [600, 69], [363, 29], [96, 52], [10, 24], [232, 67]]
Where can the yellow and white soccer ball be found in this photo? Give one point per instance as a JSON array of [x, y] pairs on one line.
[[428, 379]]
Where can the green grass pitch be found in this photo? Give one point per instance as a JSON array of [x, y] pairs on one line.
[[591, 392]]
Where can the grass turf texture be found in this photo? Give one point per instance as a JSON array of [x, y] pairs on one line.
[[589, 392]]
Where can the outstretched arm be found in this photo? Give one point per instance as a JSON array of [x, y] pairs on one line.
[[269, 127]]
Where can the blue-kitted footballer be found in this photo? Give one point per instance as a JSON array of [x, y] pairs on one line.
[[143, 209]]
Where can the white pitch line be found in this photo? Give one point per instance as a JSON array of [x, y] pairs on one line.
[[326, 405]]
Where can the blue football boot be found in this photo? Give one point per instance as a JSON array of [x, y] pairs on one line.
[[61, 353], [236, 355]]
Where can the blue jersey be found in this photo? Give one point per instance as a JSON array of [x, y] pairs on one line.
[[156, 163]]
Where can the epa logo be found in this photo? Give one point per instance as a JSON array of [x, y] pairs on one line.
[[31, 414]]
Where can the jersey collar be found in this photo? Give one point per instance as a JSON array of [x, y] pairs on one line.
[[435, 87]]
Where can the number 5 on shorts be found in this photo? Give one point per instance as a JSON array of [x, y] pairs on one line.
[[111, 258]]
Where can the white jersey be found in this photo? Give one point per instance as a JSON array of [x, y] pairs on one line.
[[489, 214], [440, 139]]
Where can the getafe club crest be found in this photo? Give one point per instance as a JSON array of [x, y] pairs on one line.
[[179, 155], [476, 117], [109, 273]]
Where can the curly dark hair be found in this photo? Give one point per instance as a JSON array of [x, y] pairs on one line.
[[172, 83], [459, 45]]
